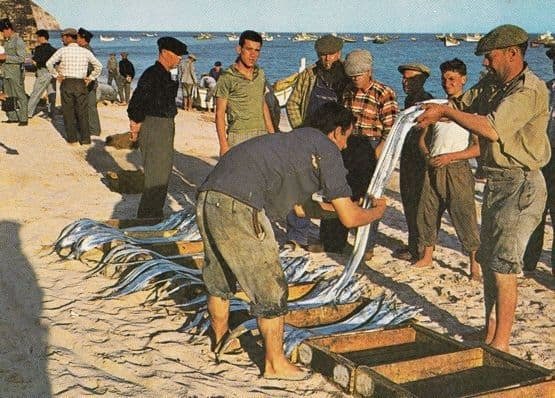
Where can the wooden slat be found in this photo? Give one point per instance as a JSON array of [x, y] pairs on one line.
[[407, 371], [540, 389], [324, 315]]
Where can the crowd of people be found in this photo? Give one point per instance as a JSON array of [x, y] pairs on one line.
[[341, 117]]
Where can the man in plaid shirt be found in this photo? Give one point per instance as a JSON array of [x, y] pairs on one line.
[[72, 72], [375, 107]]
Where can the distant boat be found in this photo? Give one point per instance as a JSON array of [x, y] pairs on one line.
[[204, 36], [472, 38], [266, 36], [368, 38], [151, 34], [304, 37], [451, 41], [134, 39], [412, 39], [545, 38], [348, 38], [232, 37], [440, 36], [380, 39], [107, 38]]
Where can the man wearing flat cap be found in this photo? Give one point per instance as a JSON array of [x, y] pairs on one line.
[[11, 62], [151, 114], [84, 39], [188, 79], [509, 108], [74, 76], [412, 165], [322, 82]]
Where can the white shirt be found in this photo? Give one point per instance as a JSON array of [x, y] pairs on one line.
[[448, 137], [74, 61]]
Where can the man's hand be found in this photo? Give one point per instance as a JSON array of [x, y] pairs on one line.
[[87, 81], [440, 160], [379, 204], [134, 129], [60, 77], [431, 115], [3, 57]]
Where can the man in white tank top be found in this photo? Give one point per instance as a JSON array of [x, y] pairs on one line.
[[449, 183]]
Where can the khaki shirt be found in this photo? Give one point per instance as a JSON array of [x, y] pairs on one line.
[[15, 57], [519, 112], [245, 100]]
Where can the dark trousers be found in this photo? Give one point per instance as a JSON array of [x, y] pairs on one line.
[[94, 120], [411, 178], [360, 161], [535, 245], [156, 144], [74, 108]]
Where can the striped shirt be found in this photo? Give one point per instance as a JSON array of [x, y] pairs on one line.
[[74, 61], [374, 108]]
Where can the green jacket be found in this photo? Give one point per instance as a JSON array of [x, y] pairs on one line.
[[15, 51], [300, 96]]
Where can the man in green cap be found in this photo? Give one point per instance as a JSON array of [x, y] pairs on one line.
[[322, 82], [509, 108]]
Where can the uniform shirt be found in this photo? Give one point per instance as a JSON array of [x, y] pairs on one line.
[[245, 99], [518, 111], [112, 65], [42, 53], [375, 109], [275, 171], [187, 71], [15, 56], [74, 61], [154, 96]]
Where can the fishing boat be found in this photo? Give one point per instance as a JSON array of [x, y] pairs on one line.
[[348, 38], [151, 34], [440, 36], [368, 38], [545, 38], [304, 37], [472, 38], [266, 36], [412, 39], [451, 41], [204, 36], [134, 39], [107, 38], [232, 37], [380, 39]]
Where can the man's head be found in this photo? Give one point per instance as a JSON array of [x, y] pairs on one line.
[[328, 48], [123, 55], [414, 77], [217, 65], [84, 37], [453, 77], [191, 57], [335, 121], [42, 36], [170, 51], [358, 66], [503, 49], [6, 27], [248, 49], [112, 55], [69, 36]]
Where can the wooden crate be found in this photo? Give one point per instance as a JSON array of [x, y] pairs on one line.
[[413, 361]]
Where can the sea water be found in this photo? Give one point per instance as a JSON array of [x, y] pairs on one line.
[[281, 57]]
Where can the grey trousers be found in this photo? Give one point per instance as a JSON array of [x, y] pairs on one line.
[[156, 144], [44, 81], [74, 108], [14, 88], [240, 247], [94, 120]]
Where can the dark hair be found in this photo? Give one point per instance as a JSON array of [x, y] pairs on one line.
[[453, 65], [329, 116], [522, 47], [43, 33], [5, 24], [250, 35], [217, 63]]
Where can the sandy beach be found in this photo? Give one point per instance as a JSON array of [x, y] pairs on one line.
[[55, 340]]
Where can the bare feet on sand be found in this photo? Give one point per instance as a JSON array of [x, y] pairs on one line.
[[285, 370]]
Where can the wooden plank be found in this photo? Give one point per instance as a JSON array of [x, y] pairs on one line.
[[323, 315], [176, 248], [382, 387], [538, 389], [407, 371]]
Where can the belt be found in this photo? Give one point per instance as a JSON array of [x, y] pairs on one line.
[[369, 137]]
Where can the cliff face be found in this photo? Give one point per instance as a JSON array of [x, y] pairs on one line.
[[27, 17]]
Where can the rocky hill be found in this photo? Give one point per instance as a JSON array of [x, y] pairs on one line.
[[27, 17]]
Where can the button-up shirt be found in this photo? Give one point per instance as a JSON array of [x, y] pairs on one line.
[[74, 61], [375, 109], [154, 96]]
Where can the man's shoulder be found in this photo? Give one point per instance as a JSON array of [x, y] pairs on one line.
[[383, 88]]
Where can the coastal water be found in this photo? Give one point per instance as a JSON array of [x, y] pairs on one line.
[[281, 57]]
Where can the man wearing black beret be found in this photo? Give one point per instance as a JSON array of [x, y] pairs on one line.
[[151, 114], [84, 39]]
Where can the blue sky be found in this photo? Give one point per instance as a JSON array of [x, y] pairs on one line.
[[303, 15]]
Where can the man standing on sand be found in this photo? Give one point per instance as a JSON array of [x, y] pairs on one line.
[[44, 80], [512, 116], [322, 82], [151, 114], [448, 180], [188, 78], [268, 174], [112, 67], [12, 62], [84, 39], [412, 165], [126, 76], [72, 73], [240, 96]]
